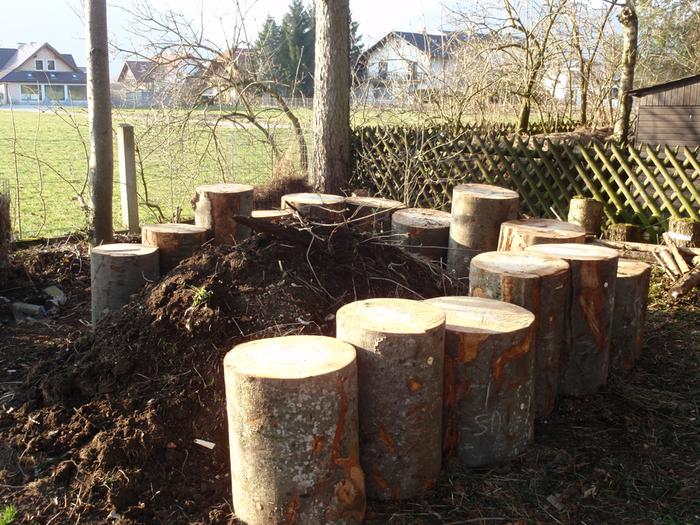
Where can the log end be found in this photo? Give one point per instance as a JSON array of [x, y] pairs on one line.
[[519, 264], [480, 315], [271, 215], [124, 250], [422, 218], [224, 188], [629, 268], [173, 228], [574, 251], [311, 199], [484, 191], [374, 203], [392, 316]]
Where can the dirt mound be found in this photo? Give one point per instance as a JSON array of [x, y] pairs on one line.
[[113, 419]]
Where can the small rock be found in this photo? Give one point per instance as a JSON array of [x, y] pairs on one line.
[[25, 311], [57, 296]]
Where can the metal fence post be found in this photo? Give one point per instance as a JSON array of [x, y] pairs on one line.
[[127, 177]]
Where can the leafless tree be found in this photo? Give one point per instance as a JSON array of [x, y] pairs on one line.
[[630, 23]]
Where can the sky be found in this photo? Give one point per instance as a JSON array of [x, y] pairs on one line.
[[60, 22]]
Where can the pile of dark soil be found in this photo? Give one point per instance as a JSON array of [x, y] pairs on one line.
[[107, 427]]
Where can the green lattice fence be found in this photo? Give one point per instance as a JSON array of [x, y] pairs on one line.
[[420, 167]]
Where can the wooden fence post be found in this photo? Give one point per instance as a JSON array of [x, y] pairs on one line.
[[127, 177]]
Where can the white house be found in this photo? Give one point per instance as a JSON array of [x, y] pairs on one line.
[[38, 74]]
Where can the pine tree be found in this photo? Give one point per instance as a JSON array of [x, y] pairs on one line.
[[297, 53], [267, 51]]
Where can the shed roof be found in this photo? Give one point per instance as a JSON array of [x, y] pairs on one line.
[[641, 92]]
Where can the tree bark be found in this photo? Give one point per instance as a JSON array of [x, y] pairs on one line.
[[116, 272], [518, 235], [331, 160], [5, 230], [215, 206], [630, 25], [372, 214], [624, 233], [684, 232], [477, 213], [400, 351], [422, 231], [175, 242], [587, 213], [631, 298], [293, 432], [101, 163], [585, 359], [488, 396], [321, 207], [541, 285]]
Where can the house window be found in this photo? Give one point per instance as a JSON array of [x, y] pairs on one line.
[[29, 92], [412, 71], [77, 93], [51, 65], [54, 93], [383, 69], [39, 65]]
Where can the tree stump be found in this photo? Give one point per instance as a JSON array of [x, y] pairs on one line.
[[477, 213], [541, 285], [272, 215], [517, 235], [684, 232], [400, 351], [587, 213], [216, 205], [175, 242], [631, 298], [5, 230], [422, 231], [624, 233], [585, 359], [116, 272], [488, 411], [293, 431], [317, 207], [372, 214]]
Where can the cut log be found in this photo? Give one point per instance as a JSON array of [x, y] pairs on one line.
[[215, 205], [587, 213], [667, 260], [477, 213], [541, 285], [689, 281], [175, 242], [272, 215], [684, 232], [5, 230], [400, 350], [117, 271], [422, 231], [585, 359], [624, 233], [293, 431], [488, 408], [517, 235], [631, 298], [317, 207], [372, 214]]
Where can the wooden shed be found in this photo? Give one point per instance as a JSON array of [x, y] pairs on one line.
[[669, 113]]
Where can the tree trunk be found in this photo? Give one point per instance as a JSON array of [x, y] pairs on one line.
[[585, 359], [684, 232], [524, 116], [477, 213], [488, 397], [587, 213], [624, 233], [372, 214], [400, 350], [422, 231], [175, 242], [117, 271], [541, 285], [320, 207], [99, 122], [293, 432], [517, 235], [5, 230], [630, 25], [215, 206], [331, 160], [631, 297]]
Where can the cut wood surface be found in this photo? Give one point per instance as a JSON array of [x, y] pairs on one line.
[[519, 234], [587, 213], [421, 230], [174, 241], [215, 205], [541, 285], [293, 431], [689, 281], [477, 213], [631, 298], [488, 410], [400, 350], [272, 215], [320, 207], [116, 272], [585, 360], [372, 214]]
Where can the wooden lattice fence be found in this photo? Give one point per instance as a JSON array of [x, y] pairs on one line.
[[420, 167]]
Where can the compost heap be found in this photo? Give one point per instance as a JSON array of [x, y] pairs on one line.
[[110, 428]]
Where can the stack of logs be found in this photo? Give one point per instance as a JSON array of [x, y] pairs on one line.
[[317, 425]]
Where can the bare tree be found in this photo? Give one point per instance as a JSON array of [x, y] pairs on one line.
[[99, 121], [331, 160], [630, 24]]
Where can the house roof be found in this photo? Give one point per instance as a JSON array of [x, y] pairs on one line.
[[142, 70], [46, 77], [640, 92], [437, 45], [11, 59]]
